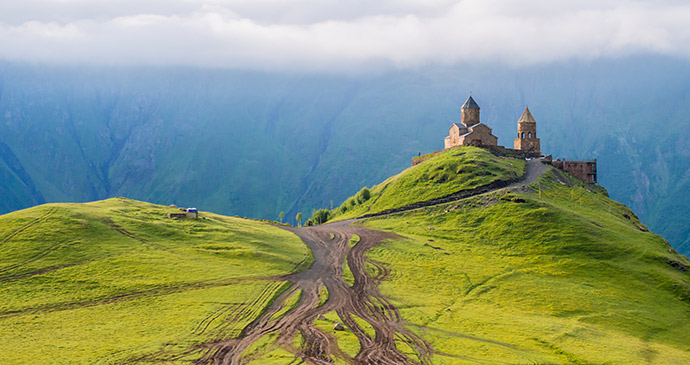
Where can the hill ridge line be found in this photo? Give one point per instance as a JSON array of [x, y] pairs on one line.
[[534, 168]]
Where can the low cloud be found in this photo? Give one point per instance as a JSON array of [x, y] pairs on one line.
[[339, 35]]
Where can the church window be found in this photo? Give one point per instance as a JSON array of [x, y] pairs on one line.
[[529, 134], [523, 135]]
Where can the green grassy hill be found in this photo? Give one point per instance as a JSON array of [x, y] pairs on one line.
[[552, 272], [255, 143], [555, 272], [116, 280], [446, 173]]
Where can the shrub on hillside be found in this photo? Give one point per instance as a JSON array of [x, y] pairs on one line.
[[359, 198], [363, 195], [320, 216]]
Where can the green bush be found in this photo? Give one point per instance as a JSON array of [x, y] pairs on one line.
[[349, 204], [363, 195], [320, 216]]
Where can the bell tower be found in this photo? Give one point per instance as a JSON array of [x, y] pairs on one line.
[[469, 112], [527, 140]]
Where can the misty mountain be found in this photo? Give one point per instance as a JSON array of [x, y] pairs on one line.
[[254, 144]]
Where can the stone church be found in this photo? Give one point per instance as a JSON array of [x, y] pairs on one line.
[[470, 131]]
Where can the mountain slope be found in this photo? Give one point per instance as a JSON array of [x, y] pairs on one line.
[[435, 178], [117, 281], [549, 272], [555, 272], [255, 144]]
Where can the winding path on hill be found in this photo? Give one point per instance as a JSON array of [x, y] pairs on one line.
[[534, 168], [330, 245]]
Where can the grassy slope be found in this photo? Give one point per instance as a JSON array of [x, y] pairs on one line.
[[116, 280], [280, 125], [450, 171], [556, 274], [550, 275]]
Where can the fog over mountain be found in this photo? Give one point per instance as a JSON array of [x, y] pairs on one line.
[[253, 107]]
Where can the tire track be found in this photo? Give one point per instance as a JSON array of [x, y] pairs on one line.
[[41, 271], [206, 322], [244, 312], [32, 258], [36, 256], [377, 198], [28, 225], [362, 300], [152, 292], [121, 230]]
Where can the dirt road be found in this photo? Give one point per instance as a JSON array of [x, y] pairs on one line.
[[329, 244], [533, 169], [362, 300]]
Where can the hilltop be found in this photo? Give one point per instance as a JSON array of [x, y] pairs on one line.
[[448, 172], [254, 143], [553, 272], [117, 281], [464, 258]]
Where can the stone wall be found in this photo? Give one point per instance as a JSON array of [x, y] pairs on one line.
[[512, 152], [583, 170], [419, 159], [479, 136]]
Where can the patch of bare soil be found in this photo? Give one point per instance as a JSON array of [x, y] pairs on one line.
[[363, 299]]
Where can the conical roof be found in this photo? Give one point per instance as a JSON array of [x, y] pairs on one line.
[[526, 117], [470, 104]]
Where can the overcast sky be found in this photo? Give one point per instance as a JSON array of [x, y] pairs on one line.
[[338, 34]]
